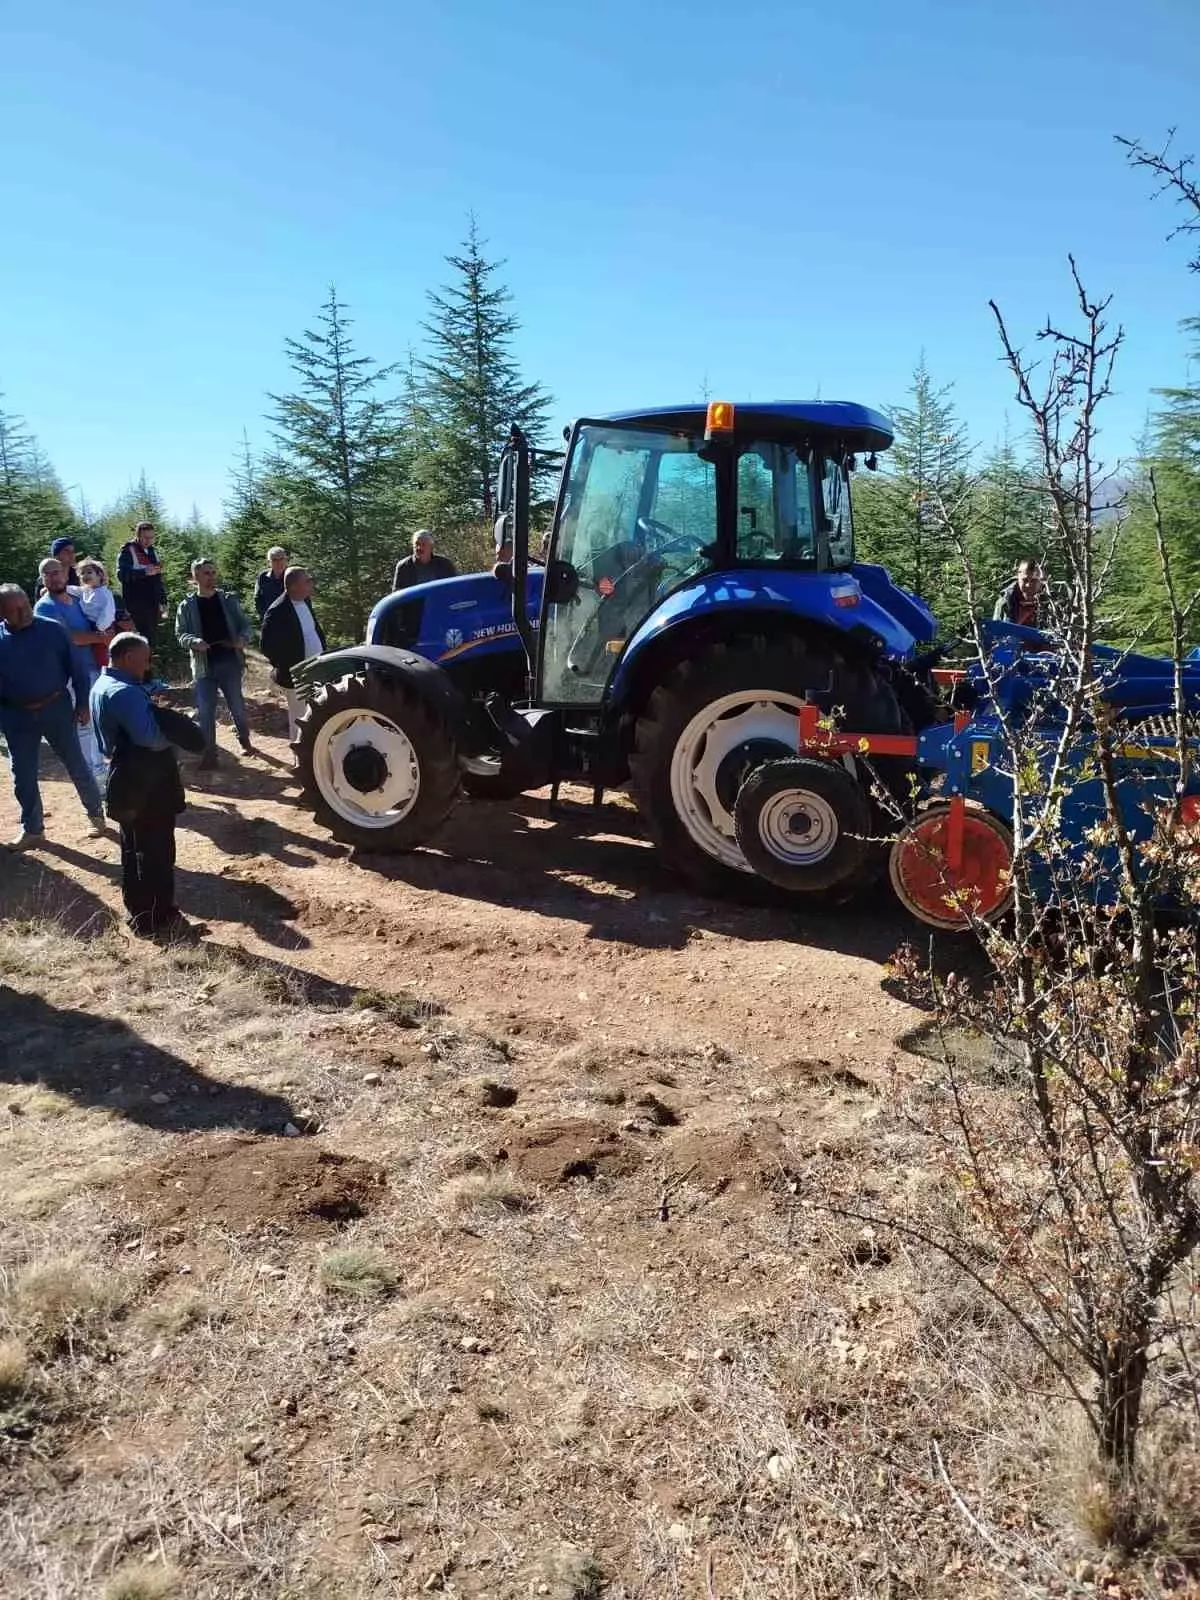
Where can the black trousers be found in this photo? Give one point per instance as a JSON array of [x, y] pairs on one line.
[[148, 870], [145, 620]]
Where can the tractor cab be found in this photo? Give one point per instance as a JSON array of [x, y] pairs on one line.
[[653, 502]]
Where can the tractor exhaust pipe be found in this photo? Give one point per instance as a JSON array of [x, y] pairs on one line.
[[519, 446]]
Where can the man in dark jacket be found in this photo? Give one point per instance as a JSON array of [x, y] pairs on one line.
[[145, 791], [1024, 601], [142, 588], [422, 566], [268, 586], [290, 634]]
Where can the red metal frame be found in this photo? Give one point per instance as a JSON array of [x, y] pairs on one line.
[[837, 742]]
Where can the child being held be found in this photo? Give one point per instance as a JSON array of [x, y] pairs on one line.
[[96, 602]]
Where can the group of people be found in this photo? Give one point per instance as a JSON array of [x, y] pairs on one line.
[[76, 671]]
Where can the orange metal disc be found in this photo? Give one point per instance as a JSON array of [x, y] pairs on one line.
[[945, 897]]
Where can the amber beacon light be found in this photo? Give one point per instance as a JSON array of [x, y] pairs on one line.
[[719, 418]]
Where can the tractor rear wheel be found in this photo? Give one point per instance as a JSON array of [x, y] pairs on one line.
[[718, 718], [379, 767]]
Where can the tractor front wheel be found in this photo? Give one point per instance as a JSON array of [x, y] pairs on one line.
[[803, 824], [378, 766]]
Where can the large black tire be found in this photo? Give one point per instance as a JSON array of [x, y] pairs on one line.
[[786, 666], [430, 776]]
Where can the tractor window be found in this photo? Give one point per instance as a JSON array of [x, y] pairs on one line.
[[639, 514], [839, 524], [774, 505]]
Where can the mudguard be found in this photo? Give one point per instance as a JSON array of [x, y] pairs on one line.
[[429, 681], [836, 601]]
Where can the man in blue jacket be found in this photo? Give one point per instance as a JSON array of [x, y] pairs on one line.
[[38, 669], [145, 791]]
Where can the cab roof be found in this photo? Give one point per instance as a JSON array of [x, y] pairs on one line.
[[857, 426]]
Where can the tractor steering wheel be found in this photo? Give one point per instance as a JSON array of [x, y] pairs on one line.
[[622, 586]]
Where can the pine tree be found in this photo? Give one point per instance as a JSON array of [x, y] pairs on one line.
[[1007, 521], [472, 387], [1173, 452], [900, 515], [338, 441], [250, 527], [34, 510]]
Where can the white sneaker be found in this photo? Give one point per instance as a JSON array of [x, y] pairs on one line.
[[25, 841]]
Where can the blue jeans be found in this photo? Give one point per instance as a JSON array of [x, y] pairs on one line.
[[24, 732], [225, 676]]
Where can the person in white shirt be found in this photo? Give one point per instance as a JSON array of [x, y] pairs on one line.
[[96, 599], [290, 634]]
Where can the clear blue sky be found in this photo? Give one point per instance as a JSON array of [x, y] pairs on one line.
[[769, 196]]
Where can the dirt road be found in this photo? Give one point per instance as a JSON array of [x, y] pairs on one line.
[[550, 923]]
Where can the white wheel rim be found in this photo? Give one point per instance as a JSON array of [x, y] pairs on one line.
[[394, 799], [716, 730], [798, 827]]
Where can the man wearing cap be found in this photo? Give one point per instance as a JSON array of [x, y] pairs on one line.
[[142, 587], [38, 668], [422, 566], [62, 550]]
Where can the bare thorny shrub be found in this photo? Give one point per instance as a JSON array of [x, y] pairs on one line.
[[1080, 1210]]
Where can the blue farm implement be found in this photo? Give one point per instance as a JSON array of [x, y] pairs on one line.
[[951, 861]]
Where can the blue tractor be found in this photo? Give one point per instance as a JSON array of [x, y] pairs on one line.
[[698, 587]]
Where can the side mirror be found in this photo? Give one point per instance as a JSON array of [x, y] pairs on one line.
[[504, 482]]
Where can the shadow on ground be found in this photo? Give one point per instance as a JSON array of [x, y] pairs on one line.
[[201, 895], [97, 1061], [591, 866]]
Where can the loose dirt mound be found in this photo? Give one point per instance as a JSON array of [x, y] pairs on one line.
[[250, 1184], [556, 1152], [742, 1160]]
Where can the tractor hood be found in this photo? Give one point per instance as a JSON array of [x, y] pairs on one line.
[[452, 617]]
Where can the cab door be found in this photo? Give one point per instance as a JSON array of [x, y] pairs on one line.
[[637, 514]]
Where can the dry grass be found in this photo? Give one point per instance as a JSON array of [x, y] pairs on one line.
[[56, 1305], [359, 1274], [143, 1580], [14, 1369], [485, 1194], [575, 1396]]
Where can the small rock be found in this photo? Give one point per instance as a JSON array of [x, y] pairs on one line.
[[268, 1270], [473, 1346], [160, 1099], [15, 1110], [291, 1131], [307, 1122], [778, 1467], [372, 1079], [431, 1050], [722, 1355]]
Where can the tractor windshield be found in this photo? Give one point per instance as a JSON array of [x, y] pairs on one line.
[[638, 514]]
